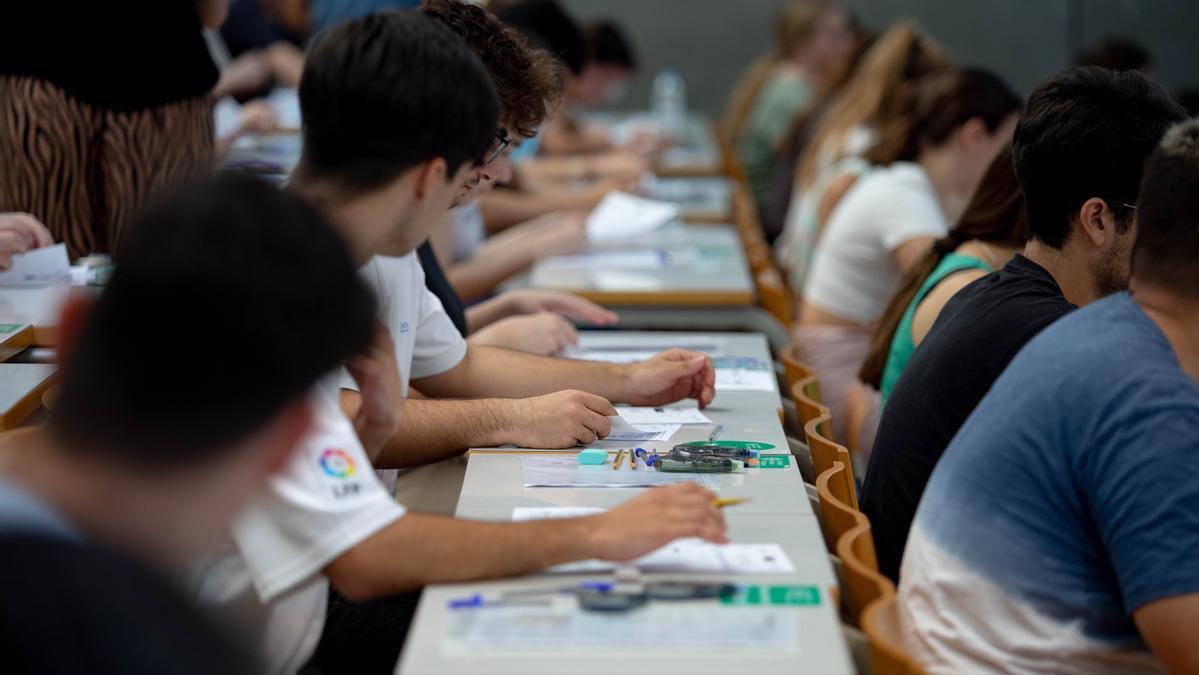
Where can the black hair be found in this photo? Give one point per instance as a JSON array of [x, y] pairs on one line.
[[1166, 252], [548, 25], [231, 299], [949, 100], [1086, 133], [607, 45], [384, 93], [1114, 53]]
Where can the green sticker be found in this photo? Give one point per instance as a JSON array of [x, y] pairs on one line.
[[774, 595], [774, 461], [9, 327], [738, 445]]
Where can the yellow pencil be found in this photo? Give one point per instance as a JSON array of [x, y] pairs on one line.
[[728, 501], [619, 459]]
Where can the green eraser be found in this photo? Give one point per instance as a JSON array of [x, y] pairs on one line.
[[593, 456]]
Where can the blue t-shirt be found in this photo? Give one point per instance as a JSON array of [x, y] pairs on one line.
[[1068, 500]]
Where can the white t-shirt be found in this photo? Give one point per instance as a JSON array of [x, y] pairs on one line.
[[853, 274], [326, 501], [426, 341]]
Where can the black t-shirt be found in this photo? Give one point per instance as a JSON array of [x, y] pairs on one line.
[[436, 282], [123, 56], [978, 332], [74, 608]]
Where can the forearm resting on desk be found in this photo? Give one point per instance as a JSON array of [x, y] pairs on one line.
[[498, 372], [418, 549], [432, 431]]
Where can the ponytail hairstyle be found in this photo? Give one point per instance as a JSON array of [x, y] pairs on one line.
[[881, 93]]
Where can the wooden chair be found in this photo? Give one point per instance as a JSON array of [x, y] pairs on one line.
[[836, 515], [806, 394], [773, 295], [863, 582], [825, 453], [884, 628], [795, 366]]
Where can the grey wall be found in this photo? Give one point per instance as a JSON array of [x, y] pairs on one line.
[[712, 41]]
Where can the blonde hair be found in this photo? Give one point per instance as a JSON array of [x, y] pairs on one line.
[[880, 94], [793, 27]]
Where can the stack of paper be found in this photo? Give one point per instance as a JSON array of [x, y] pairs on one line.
[[621, 215]]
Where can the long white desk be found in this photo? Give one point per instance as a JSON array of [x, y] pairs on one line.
[[779, 512]]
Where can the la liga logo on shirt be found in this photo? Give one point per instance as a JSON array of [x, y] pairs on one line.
[[337, 463]]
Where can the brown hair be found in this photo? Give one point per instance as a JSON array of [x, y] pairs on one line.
[[881, 93], [995, 214], [527, 79], [793, 27]]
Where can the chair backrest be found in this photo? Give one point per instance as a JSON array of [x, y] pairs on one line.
[[825, 453], [806, 394], [773, 295], [863, 582], [837, 515], [794, 365], [884, 628]]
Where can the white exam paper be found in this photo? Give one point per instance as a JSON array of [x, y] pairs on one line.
[[38, 268], [621, 215], [639, 416], [682, 555], [623, 431]]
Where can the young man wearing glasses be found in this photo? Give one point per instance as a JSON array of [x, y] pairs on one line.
[[398, 115]]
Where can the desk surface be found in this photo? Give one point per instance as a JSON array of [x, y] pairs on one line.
[[779, 512], [700, 265], [820, 647], [37, 306], [696, 151]]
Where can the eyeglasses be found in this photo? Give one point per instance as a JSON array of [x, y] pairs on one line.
[[501, 143]]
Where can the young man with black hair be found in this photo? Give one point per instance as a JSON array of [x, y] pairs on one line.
[[1059, 531], [149, 452], [1078, 152], [529, 86], [398, 115]]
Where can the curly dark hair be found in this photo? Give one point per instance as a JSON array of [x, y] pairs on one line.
[[527, 79]]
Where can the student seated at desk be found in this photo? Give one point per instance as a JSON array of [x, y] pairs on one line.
[[149, 453], [1058, 533], [868, 124], [814, 40], [558, 179], [389, 146], [890, 219], [1078, 153], [990, 231], [20, 232], [528, 85]]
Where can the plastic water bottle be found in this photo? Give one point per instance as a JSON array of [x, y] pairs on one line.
[[670, 100]]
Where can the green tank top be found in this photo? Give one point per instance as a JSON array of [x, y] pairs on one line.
[[902, 345]]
